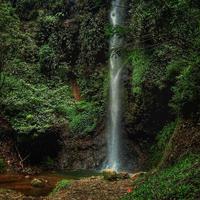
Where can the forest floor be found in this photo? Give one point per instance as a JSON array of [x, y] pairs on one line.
[[93, 188]]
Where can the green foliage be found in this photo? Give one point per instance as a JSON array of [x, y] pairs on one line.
[[163, 44], [65, 41], [2, 165], [23, 70], [33, 108], [165, 134], [82, 116], [140, 66], [162, 140], [118, 30], [186, 96], [9, 35], [47, 60], [180, 181], [61, 185], [92, 39], [26, 9], [47, 26]]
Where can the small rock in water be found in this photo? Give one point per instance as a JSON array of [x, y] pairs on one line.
[[27, 177], [37, 183]]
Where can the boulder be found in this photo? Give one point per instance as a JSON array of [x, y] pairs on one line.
[[37, 183], [109, 174]]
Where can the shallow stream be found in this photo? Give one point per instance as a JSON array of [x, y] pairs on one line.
[[22, 183]]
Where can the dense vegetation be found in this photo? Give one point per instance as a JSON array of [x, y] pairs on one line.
[[45, 46], [167, 46], [164, 56], [181, 181], [164, 61], [49, 49]]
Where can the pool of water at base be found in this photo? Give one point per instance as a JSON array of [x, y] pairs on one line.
[[22, 183]]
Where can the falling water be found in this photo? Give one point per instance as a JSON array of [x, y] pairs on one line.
[[116, 66]]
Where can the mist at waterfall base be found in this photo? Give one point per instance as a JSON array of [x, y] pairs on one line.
[[116, 151]]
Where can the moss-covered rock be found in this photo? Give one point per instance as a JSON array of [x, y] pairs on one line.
[[37, 183], [110, 175]]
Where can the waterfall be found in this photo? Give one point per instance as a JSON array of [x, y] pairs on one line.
[[114, 123]]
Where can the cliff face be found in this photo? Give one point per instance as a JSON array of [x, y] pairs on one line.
[[82, 152]]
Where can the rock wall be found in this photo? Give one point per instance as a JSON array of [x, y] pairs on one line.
[[82, 152]]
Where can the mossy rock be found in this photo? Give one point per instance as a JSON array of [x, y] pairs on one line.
[[37, 183], [110, 175]]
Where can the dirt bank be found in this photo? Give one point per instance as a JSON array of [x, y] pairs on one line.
[[94, 188]]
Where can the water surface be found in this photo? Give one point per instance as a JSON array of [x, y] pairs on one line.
[[21, 183]]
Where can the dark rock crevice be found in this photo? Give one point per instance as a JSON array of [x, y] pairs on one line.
[[82, 152]]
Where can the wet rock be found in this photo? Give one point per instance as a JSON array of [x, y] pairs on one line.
[[37, 183], [110, 175], [82, 152], [123, 175]]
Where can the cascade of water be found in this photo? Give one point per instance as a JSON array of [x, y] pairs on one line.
[[116, 65]]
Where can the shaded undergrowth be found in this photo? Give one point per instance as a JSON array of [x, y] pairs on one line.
[[180, 181]]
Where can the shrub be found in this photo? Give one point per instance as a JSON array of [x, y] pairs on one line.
[[61, 185], [82, 116]]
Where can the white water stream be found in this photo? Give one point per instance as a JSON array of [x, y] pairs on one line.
[[114, 127]]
